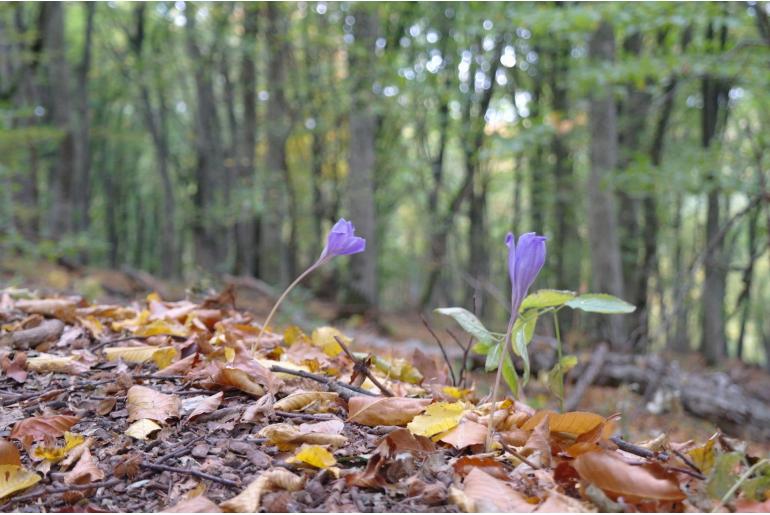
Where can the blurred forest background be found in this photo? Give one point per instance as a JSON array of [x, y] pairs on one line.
[[193, 140]]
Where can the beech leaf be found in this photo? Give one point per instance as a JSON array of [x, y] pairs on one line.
[[387, 411]]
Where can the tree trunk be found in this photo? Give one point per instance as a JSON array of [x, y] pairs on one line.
[[58, 102], [715, 99], [361, 159], [208, 231], [606, 266], [273, 255], [246, 261]]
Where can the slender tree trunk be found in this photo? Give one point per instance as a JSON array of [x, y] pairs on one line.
[[208, 230], [82, 184], [246, 261], [361, 160], [273, 254], [606, 265], [58, 102], [714, 94]]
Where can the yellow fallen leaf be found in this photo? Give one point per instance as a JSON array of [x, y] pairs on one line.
[[62, 364], [397, 368], [142, 429], [455, 392], [14, 478], [93, 325], [153, 296], [438, 417], [161, 327], [324, 337], [314, 455], [140, 319], [703, 457], [162, 356], [294, 334], [55, 454], [229, 354]]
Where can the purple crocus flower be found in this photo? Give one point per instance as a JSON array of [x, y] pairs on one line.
[[342, 240], [525, 260]]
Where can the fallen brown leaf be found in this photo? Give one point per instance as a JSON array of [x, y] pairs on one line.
[[486, 493], [197, 504], [85, 471], [143, 402], [467, 433], [385, 411], [617, 478], [248, 500], [38, 428]]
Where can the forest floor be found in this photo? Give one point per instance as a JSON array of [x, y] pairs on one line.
[[136, 403]]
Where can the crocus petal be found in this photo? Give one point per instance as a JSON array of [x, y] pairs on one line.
[[342, 240], [525, 260]]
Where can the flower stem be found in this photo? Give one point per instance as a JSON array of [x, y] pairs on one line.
[[557, 333], [281, 298], [491, 421]]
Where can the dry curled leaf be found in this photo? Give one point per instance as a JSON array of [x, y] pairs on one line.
[[197, 504], [573, 422], [286, 436], [85, 471], [538, 447], [143, 402], [129, 467], [162, 356], [45, 363], [198, 406], [9, 453], [615, 477], [16, 368], [142, 429], [486, 493], [312, 402], [249, 499], [239, 379], [385, 411], [38, 428]]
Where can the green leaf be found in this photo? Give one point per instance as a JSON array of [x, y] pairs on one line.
[[600, 303], [493, 357], [469, 323], [510, 375], [723, 475], [547, 299], [556, 375], [523, 331]]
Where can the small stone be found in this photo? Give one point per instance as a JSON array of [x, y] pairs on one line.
[[241, 447], [200, 451]]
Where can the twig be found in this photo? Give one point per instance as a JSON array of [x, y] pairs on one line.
[[637, 450], [691, 473], [587, 378], [518, 455], [688, 462], [440, 346], [104, 343], [336, 385], [50, 490], [466, 349], [69, 389], [306, 416], [192, 472], [361, 367]]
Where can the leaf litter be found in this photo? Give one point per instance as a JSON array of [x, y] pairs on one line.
[[181, 406]]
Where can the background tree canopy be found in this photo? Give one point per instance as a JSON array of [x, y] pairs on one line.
[[186, 138]]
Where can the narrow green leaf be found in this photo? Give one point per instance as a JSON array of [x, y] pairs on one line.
[[600, 303], [469, 323], [493, 357], [547, 299], [510, 375]]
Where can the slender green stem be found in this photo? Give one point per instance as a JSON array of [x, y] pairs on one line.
[[491, 421], [283, 296], [746, 475], [557, 333]]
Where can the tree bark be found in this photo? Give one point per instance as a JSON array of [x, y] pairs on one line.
[[606, 265], [714, 93], [273, 258], [363, 292]]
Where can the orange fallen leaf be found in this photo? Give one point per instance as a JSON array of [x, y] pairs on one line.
[[467, 433], [609, 472], [38, 428], [487, 493], [9, 454], [386, 411], [574, 422]]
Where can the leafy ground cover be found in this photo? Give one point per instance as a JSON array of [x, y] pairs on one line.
[[182, 406]]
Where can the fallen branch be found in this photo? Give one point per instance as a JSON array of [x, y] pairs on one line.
[[343, 389], [362, 368], [26, 338], [192, 472]]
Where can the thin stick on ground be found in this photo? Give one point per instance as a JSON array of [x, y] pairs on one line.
[[192, 472], [335, 385], [443, 350], [361, 368], [466, 350]]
